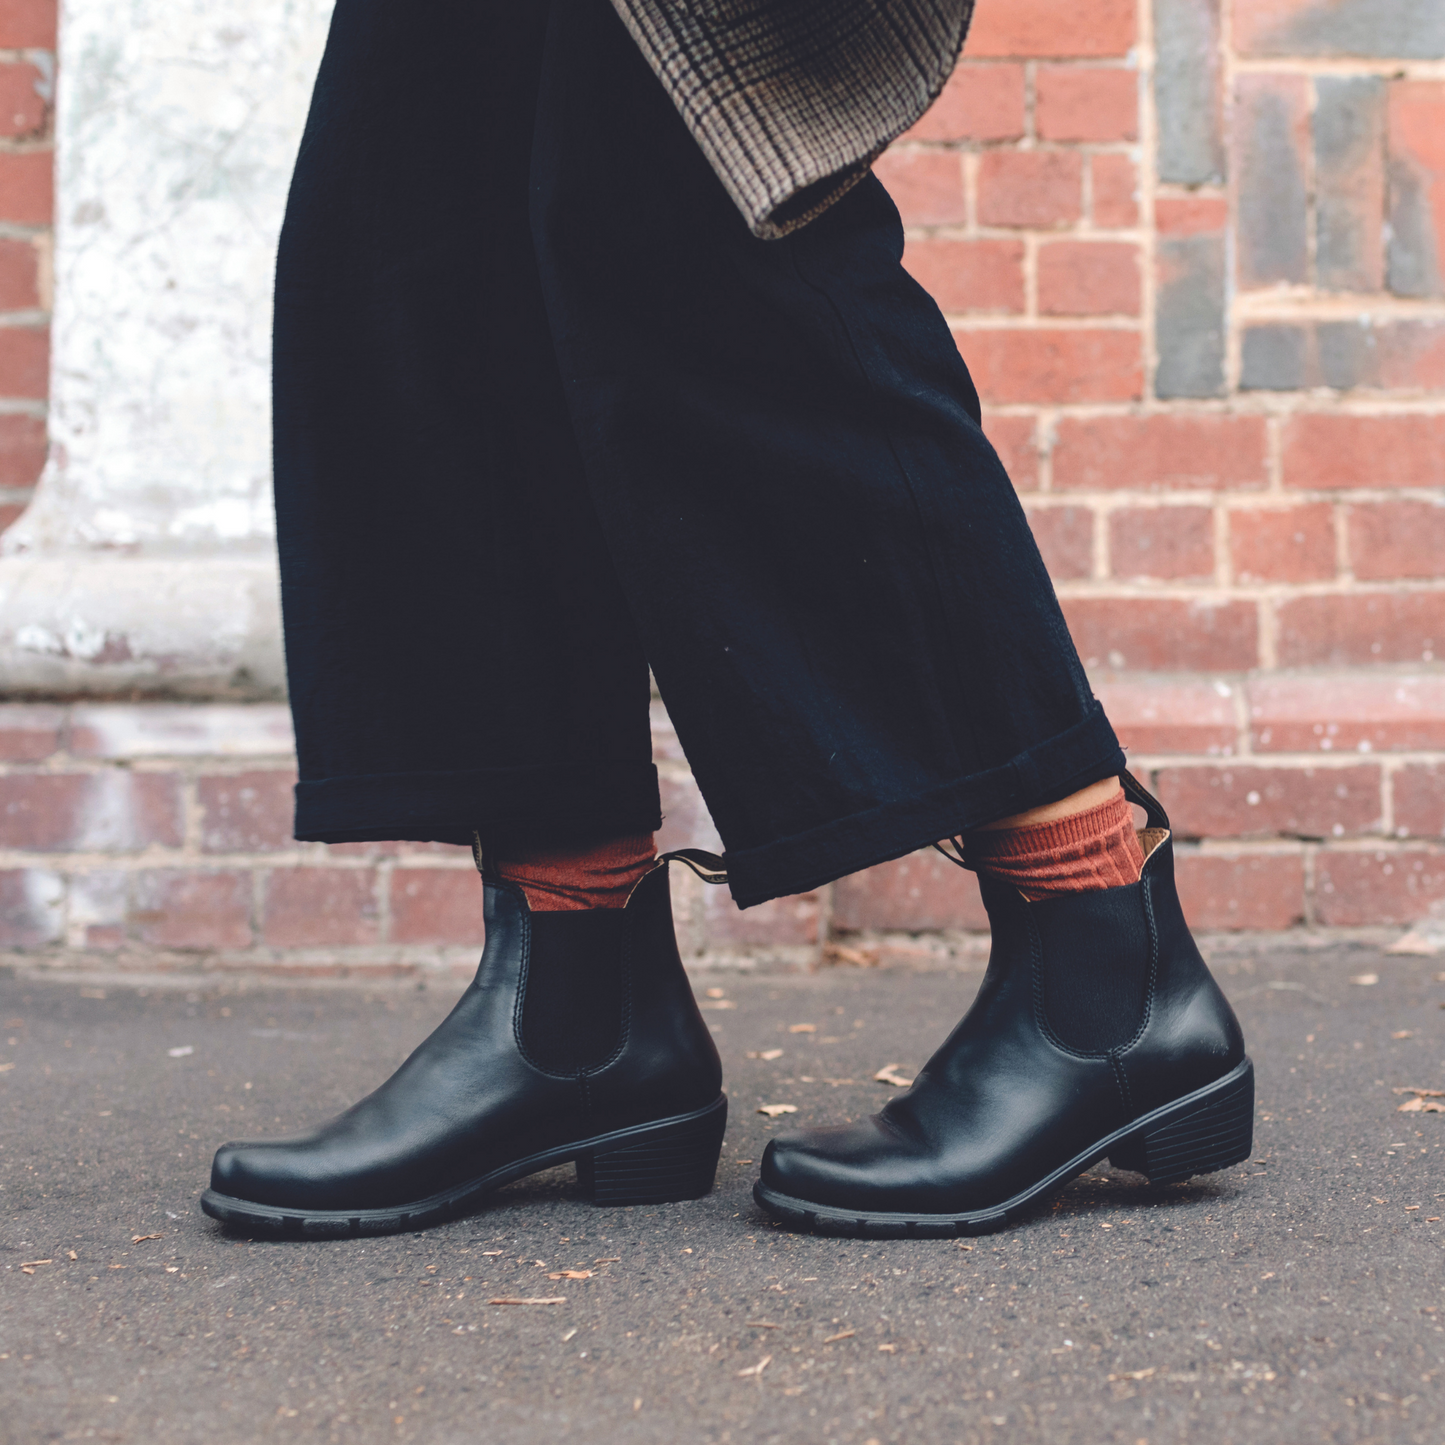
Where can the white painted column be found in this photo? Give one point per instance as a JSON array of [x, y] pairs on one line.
[[147, 560]]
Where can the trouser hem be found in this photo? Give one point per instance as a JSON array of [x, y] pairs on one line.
[[537, 806], [1041, 774]]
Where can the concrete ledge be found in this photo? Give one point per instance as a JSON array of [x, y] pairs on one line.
[[85, 624]]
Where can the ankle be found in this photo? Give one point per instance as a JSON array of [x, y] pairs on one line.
[[564, 880]]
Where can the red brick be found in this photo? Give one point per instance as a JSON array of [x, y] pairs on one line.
[[1161, 453], [19, 278], [27, 24], [1416, 146], [1163, 716], [23, 112], [27, 187], [1358, 627], [1054, 366], [1086, 103], [1283, 544], [320, 907], [1030, 188], [979, 103], [985, 275], [31, 904], [1397, 539], [1014, 440], [110, 812], [1163, 543], [1088, 278], [790, 922], [1349, 183], [1239, 801], [1420, 800], [1242, 890], [1383, 885], [923, 891], [1153, 633], [1411, 354], [436, 905], [926, 186], [24, 361], [28, 733], [1115, 181], [191, 908], [246, 812], [1029, 28], [1324, 451], [1190, 215], [1066, 539], [1356, 711]]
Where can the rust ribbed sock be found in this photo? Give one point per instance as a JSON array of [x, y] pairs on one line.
[[558, 880], [1097, 848]]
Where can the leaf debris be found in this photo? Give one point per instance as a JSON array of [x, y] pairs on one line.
[[773, 1110], [889, 1074]]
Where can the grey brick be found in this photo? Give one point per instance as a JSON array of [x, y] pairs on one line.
[[1384, 29], [1189, 324], [1347, 354], [1273, 358], [1273, 213], [1349, 135], [1187, 93]]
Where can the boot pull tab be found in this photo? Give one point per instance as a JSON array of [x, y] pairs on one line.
[[708, 866], [1136, 792]]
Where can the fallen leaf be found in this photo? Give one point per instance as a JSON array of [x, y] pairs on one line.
[[569, 1334], [1403, 1034], [1421, 1106], [842, 1335], [887, 1349], [1409, 1207], [771, 1054], [560, 1299], [610, 1259], [755, 1369], [71, 1254], [181, 1052], [720, 1003], [1423, 1093], [716, 992], [802, 1028], [571, 1274], [773, 1110], [858, 957], [1364, 980], [889, 1074], [5, 1068], [141, 1238], [492, 1252], [762, 1325], [1134, 1374]]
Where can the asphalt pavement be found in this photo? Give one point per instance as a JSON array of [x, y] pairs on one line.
[[1300, 1297]]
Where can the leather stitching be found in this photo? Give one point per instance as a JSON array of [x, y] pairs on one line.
[[628, 929], [1122, 1080]]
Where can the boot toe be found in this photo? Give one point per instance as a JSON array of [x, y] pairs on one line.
[[862, 1166]]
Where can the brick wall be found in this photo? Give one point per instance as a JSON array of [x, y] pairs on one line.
[[1195, 257], [27, 91]]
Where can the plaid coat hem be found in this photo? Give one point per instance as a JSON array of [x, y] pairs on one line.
[[792, 100]]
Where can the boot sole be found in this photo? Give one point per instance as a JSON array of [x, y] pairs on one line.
[[658, 1163], [1207, 1130]]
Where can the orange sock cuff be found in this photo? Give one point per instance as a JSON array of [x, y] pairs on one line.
[[558, 880], [1095, 849]]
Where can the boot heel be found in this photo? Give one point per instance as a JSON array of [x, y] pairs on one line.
[[671, 1161], [1213, 1135]]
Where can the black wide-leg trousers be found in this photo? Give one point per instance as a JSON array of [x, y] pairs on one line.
[[546, 413]]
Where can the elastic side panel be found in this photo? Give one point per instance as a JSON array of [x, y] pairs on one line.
[[572, 1008], [1095, 966]]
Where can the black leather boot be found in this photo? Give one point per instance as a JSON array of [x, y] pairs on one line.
[[579, 1039], [1097, 1032]]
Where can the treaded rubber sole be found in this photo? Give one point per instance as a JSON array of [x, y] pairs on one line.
[[657, 1163], [1207, 1130]]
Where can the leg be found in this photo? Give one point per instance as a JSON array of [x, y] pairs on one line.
[[833, 578], [460, 654]]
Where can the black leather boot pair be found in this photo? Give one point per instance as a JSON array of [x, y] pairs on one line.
[[1097, 1032]]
